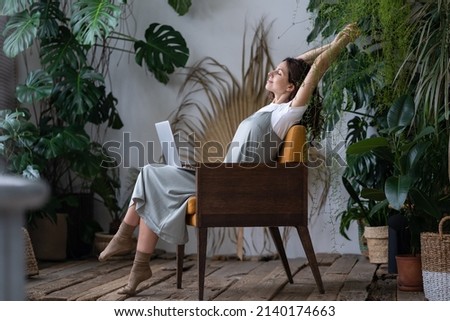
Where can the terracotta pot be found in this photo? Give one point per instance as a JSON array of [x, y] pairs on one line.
[[409, 273]]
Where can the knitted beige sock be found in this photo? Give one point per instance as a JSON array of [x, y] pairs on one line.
[[140, 271], [121, 243]]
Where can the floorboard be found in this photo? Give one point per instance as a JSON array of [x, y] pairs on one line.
[[346, 277]]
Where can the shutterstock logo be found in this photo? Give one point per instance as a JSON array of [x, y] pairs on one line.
[[122, 153]]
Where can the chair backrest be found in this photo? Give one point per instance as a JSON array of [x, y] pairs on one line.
[[294, 147], [262, 196]]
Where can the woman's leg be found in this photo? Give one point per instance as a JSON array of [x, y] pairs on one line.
[[122, 241], [141, 270]]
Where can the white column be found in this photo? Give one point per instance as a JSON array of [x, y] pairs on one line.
[[16, 196]]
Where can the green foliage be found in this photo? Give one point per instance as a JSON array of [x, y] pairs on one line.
[[362, 209], [22, 29], [395, 81], [366, 72], [429, 57], [410, 186], [163, 50], [94, 19], [67, 93], [180, 6]]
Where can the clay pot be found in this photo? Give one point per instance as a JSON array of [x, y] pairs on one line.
[[409, 273]]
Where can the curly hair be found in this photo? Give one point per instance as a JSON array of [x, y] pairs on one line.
[[312, 118]]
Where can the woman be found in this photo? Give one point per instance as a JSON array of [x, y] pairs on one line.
[[161, 192]]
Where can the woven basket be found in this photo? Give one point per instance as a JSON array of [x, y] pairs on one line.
[[435, 252], [30, 260], [377, 243]]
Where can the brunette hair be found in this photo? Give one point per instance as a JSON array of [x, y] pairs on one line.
[[312, 118]]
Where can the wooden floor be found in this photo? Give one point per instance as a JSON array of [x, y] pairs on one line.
[[345, 277]]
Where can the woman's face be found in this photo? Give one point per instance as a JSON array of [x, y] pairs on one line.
[[278, 80]]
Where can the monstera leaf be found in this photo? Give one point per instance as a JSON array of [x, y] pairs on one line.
[[61, 141], [77, 93], [61, 51], [94, 19], [38, 86], [51, 18], [180, 6], [10, 7], [21, 30], [162, 51]]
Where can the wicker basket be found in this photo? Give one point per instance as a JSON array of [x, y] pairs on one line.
[[435, 252], [377, 243], [30, 260]]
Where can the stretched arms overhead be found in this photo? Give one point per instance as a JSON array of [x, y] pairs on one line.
[[321, 59], [312, 54]]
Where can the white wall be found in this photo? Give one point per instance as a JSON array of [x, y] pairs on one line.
[[215, 28]]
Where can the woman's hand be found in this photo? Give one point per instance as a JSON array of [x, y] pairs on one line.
[[350, 33]]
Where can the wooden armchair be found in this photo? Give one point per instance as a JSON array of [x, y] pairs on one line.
[[245, 195]]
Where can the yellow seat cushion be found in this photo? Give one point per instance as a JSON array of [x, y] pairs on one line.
[[191, 205], [294, 146]]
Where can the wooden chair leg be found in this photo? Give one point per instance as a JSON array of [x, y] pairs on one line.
[[180, 258], [276, 236], [202, 238], [305, 238]]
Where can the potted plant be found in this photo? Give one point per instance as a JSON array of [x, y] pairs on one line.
[[64, 104], [414, 188], [363, 75], [371, 219], [398, 84]]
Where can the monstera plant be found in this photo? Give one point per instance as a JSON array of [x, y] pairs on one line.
[[53, 132]]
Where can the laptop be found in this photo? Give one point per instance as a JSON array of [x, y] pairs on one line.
[[168, 145]]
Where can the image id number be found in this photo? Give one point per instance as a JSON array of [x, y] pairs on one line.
[[295, 311]]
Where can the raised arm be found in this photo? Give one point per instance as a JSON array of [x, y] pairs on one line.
[[312, 54], [322, 62]]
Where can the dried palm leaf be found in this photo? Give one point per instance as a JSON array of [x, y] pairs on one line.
[[229, 99]]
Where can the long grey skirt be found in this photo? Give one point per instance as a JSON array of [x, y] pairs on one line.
[[160, 196]]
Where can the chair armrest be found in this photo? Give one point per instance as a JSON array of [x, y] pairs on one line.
[[271, 194]]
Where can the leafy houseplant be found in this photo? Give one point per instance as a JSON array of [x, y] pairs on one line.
[[411, 186], [396, 84], [65, 98]]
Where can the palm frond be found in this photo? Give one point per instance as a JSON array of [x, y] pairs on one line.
[[230, 99], [430, 56]]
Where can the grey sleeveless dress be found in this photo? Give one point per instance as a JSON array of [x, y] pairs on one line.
[[161, 191]]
